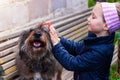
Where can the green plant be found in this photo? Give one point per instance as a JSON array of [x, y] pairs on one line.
[[91, 3], [111, 0], [117, 36], [118, 0], [113, 72]]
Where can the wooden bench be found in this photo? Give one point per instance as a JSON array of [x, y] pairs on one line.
[[72, 26]]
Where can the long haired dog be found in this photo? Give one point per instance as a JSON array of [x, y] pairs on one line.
[[35, 60]]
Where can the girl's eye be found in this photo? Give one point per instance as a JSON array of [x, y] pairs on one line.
[[93, 16]]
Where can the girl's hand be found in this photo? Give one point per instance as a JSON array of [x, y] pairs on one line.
[[53, 34]]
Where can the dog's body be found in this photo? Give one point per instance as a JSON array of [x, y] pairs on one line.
[[35, 60]]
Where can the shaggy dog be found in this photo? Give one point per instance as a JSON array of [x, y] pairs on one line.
[[35, 60]]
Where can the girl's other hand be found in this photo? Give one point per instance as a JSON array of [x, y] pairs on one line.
[[54, 36]]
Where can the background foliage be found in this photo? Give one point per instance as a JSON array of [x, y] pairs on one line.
[[92, 2]]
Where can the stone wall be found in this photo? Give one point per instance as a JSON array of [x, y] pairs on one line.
[[16, 13]]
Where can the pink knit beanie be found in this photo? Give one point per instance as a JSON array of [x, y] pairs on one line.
[[111, 16]]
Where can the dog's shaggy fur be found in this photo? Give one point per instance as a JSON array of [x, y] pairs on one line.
[[35, 60]]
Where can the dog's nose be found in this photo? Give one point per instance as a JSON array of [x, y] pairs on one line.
[[37, 34]]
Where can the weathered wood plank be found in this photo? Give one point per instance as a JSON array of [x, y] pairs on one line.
[[8, 43], [71, 25], [9, 70], [8, 51], [9, 76], [66, 75], [78, 35], [80, 38], [72, 29], [69, 16], [7, 58], [7, 65], [75, 32], [64, 22]]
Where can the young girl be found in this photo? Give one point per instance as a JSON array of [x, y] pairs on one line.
[[91, 58]]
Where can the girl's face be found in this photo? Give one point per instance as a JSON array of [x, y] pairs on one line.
[[96, 22]]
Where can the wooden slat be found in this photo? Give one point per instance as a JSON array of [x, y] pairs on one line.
[[12, 33], [115, 49], [7, 51], [72, 29], [72, 24], [8, 44], [9, 70], [78, 34], [62, 23], [80, 38], [7, 58], [9, 76], [8, 35], [66, 75], [69, 76], [70, 15], [7, 65], [75, 32], [115, 55]]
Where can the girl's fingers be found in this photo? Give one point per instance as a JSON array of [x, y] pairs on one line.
[[54, 36]]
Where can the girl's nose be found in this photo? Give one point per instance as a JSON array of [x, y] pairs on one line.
[[89, 18]]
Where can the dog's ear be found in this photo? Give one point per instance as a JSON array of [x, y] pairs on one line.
[[22, 39]]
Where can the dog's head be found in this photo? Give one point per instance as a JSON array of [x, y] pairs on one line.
[[36, 43]]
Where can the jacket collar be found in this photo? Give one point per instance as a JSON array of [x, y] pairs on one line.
[[99, 40]]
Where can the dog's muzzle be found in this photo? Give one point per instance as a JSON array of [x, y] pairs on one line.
[[37, 34], [37, 42]]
